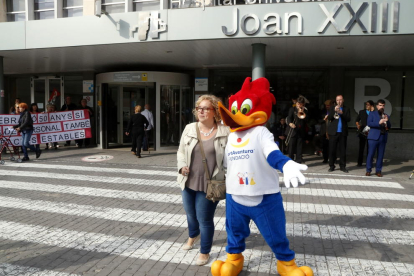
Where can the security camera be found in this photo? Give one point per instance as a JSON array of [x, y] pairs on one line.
[[98, 9]]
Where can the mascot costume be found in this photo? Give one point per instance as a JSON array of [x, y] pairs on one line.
[[252, 182]]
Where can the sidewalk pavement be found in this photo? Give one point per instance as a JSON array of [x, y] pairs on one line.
[[116, 214]]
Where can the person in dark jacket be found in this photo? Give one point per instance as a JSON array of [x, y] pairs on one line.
[[338, 117], [136, 126], [25, 127], [279, 134], [66, 107], [84, 105], [297, 128], [361, 123]]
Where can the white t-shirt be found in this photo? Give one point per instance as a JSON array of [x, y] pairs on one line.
[[248, 172]]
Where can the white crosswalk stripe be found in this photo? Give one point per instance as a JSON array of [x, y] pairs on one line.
[[10, 269], [348, 194], [91, 169], [170, 198], [124, 180], [177, 220], [160, 250]]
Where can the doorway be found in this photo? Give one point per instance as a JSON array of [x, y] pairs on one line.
[[47, 90], [121, 103]]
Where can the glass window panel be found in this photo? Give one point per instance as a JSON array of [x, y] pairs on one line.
[[15, 5], [44, 15], [170, 115], [112, 1], [72, 3], [16, 17], [73, 12], [22, 91], [74, 88], [394, 78], [44, 4], [39, 91], [147, 6], [187, 101], [408, 107], [114, 8]]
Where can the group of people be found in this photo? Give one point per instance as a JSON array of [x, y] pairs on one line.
[[139, 126], [332, 133], [25, 126]]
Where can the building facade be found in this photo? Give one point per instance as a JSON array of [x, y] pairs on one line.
[[118, 53]]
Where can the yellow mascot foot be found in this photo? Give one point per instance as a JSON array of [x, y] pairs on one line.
[[291, 269], [231, 267]]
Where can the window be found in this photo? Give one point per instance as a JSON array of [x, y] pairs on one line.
[[16, 10], [146, 5], [44, 9], [113, 6], [72, 8]]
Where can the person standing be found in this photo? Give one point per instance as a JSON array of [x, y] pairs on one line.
[[192, 176], [297, 128], [25, 127], [34, 109], [339, 116], [279, 134], [148, 114], [379, 124], [84, 105], [50, 108], [361, 123], [324, 131], [66, 107], [137, 125]]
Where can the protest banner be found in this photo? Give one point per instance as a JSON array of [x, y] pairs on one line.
[[50, 127]]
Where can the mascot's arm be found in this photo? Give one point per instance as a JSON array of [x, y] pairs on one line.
[[276, 159]]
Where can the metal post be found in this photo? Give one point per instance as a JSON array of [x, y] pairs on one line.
[[258, 65], [2, 87]]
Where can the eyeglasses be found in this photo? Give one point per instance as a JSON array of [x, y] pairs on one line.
[[204, 109]]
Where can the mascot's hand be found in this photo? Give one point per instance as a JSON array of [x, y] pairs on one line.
[[291, 173]]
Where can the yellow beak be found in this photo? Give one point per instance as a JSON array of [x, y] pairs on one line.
[[239, 121]]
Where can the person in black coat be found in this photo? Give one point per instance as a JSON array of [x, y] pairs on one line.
[[324, 130], [298, 129], [25, 127], [136, 126], [66, 107], [361, 123], [279, 134], [84, 105], [338, 133]]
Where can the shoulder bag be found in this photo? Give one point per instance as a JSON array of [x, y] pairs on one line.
[[216, 189]]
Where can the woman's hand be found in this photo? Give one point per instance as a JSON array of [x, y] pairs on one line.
[[18, 129], [185, 171], [126, 133]]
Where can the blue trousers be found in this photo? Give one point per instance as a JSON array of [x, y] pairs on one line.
[[26, 134], [269, 216], [376, 146], [200, 217]]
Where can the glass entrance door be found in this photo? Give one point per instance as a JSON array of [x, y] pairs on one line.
[[122, 100], [46, 90]]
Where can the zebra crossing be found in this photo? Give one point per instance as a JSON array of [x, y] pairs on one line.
[[65, 219]]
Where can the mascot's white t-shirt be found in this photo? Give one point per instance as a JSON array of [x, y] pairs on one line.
[[248, 172]]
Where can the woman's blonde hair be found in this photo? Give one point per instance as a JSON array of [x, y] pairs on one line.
[[138, 109], [214, 102]]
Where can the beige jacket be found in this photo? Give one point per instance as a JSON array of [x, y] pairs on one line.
[[189, 141]]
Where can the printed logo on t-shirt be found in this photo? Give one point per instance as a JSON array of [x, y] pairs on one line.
[[246, 178]]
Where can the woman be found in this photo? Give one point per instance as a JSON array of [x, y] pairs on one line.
[[192, 178], [137, 125], [25, 127], [34, 109], [49, 109]]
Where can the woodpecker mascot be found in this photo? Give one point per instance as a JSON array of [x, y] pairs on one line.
[[252, 182]]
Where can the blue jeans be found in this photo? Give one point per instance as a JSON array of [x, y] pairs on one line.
[[200, 217], [269, 216], [26, 134]]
